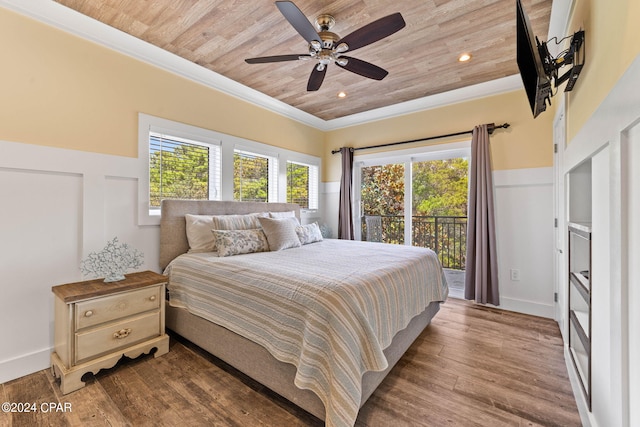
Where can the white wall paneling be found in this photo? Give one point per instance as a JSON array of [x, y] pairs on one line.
[[610, 141], [524, 227], [631, 266], [330, 198], [39, 234], [603, 339], [57, 206]]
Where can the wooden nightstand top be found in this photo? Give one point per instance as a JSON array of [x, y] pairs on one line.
[[71, 292]]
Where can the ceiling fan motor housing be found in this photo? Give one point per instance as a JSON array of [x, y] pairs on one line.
[[326, 47]]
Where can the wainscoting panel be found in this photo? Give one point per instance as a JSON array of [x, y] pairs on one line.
[[524, 227], [56, 206], [631, 266], [121, 220], [40, 243]]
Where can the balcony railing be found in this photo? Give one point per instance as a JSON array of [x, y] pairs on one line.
[[446, 235]]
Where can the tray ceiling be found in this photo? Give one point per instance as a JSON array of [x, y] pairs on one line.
[[422, 58]]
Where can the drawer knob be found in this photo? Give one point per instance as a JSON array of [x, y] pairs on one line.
[[88, 313], [152, 298], [122, 333]]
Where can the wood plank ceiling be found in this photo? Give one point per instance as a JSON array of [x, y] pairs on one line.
[[422, 58]]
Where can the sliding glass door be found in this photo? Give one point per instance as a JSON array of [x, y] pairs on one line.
[[416, 199]]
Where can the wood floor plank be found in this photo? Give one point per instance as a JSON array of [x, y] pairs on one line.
[[523, 404], [413, 405], [33, 390], [472, 366], [92, 407]]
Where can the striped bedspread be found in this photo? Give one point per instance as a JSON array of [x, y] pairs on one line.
[[330, 308]]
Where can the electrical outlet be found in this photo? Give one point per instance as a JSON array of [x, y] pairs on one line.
[[515, 275]]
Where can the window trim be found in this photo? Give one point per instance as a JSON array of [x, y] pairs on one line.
[[228, 144]]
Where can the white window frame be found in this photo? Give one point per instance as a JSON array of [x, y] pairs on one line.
[[272, 180], [313, 185], [214, 163], [228, 144]]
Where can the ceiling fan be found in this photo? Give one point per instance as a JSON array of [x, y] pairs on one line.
[[326, 47]]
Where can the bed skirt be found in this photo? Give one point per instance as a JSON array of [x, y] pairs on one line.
[[256, 362]]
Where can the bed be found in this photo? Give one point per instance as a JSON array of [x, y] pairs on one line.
[[335, 343]]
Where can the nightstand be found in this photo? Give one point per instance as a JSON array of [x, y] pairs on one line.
[[97, 323]]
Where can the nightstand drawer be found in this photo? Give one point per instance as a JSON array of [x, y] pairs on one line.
[[118, 335], [101, 310]]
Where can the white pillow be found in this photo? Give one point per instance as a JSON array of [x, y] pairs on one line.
[[199, 233], [281, 232], [309, 233], [237, 222], [286, 214]]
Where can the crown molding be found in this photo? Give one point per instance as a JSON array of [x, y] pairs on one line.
[[70, 21], [493, 87]]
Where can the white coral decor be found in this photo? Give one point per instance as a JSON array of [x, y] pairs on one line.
[[112, 262]]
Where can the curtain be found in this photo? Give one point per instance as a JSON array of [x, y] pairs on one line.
[[481, 278], [345, 216]]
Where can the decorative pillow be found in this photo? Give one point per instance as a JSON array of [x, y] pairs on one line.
[[235, 222], [199, 233], [280, 232], [309, 233], [236, 242]]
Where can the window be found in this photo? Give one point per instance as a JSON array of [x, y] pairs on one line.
[[176, 160], [254, 177], [180, 169], [302, 185]]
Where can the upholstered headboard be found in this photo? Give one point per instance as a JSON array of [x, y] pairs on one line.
[[173, 234]]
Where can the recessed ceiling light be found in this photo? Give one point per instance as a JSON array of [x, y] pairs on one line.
[[342, 94], [464, 57]]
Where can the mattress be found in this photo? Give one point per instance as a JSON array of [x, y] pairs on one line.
[[330, 308]]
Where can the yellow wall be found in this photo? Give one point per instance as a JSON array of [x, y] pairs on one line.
[[62, 91], [612, 34], [526, 144]]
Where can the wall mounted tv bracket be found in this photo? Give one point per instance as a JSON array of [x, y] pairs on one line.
[[573, 56]]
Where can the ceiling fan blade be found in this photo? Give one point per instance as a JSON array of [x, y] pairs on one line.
[[298, 21], [277, 58], [364, 68], [316, 78], [374, 31]]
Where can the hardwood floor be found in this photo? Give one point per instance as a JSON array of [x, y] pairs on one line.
[[473, 366]]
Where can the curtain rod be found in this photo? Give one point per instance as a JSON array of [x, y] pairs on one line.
[[491, 127]]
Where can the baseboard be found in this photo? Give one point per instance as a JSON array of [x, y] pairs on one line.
[[25, 365], [527, 307]]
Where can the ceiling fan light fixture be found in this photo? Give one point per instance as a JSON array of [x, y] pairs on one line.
[[326, 47], [315, 45], [341, 48]]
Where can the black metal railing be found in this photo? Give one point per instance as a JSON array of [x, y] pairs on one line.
[[446, 235]]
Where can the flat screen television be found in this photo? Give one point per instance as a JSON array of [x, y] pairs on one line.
[[530, 56]]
